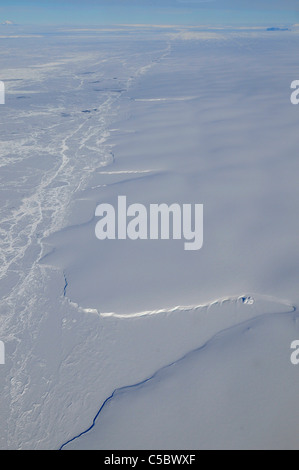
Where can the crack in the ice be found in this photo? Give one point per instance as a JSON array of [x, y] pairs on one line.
[[244, 299], [65, 285]]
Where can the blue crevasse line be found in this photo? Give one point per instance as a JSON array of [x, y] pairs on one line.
[[121, 389], [93, 423], [128, 387], [65, 285]]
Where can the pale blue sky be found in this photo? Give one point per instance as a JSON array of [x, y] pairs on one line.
[[150, 11]]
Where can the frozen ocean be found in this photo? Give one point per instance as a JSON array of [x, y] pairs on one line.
[[121, 343]]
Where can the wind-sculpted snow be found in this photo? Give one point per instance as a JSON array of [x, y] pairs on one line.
[[218, 148], [234, 392], [161, 117], [50, 148], [253, 329]]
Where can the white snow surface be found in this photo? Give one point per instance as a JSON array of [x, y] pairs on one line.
[[192, 347]]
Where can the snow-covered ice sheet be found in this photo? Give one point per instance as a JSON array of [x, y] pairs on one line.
[[237, 391], [231, 148], [159, 115]]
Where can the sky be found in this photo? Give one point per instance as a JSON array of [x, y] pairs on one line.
[[150, 11]]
